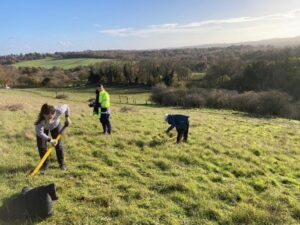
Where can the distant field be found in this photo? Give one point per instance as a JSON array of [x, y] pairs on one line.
[[63, 63], [197, 76]]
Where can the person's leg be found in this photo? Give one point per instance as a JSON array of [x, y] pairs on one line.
[[102, 121], [179, 134], [108, 125], [42, 147], [59, 147], [186, 133]]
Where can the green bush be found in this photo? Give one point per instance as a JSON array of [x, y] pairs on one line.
[[270, 103]]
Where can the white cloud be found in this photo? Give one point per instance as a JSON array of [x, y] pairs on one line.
[[118, 32], [204, 26], [65, 43], [97, 25]]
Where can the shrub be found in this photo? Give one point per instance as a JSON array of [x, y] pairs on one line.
[[272, 103]]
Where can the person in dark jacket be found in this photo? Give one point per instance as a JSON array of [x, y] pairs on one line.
[[181, 122], [33, 203]]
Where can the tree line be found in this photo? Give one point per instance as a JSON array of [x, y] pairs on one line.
[[281, 74], [145, 72], [240, 68]]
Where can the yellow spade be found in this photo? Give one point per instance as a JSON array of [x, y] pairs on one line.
[[48, 152]]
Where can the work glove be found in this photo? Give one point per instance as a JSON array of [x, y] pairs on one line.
[[168, 133], [67, 122], [53, 142]]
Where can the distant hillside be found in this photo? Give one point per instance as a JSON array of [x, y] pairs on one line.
[[62, 63], [275, 42]]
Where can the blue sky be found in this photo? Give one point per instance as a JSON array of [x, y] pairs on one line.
[[65, 25]]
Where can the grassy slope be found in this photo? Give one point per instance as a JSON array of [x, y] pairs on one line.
[[63, 63], [234, 170]]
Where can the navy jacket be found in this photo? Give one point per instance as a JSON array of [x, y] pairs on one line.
[[178, 121]]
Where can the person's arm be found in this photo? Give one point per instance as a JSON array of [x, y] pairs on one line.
[[96, 108], [97, 103], [64, 109], [39, 130], [171, 122], [169, 129]]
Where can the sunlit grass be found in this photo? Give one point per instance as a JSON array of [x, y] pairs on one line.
[[63, 63], [234, 170]]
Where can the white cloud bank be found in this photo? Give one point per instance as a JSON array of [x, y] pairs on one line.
[[65, 43], [220, 30]]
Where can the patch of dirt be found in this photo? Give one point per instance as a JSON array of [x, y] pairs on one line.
[[29, 135], [126, 109], [61, 96], [12, 108]]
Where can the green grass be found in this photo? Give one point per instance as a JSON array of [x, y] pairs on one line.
[[234, 170], [198, 76], [63, 63]]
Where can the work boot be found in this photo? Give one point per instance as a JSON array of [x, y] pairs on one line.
[[43, 169], [63, 167], [41, 172]]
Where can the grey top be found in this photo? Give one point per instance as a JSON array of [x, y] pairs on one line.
[[53, 123]]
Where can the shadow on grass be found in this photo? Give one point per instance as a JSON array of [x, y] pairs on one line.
[[24, 221], [16, 169]]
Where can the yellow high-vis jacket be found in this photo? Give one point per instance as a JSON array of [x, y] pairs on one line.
[[104, 99]]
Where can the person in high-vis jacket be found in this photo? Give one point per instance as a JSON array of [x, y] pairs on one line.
[[48, 121], [181, 122], [103, 103]]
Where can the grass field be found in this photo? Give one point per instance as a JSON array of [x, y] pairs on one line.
[[235, 169], [198, 76], [63, 63]]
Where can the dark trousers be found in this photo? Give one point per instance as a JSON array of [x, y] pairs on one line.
[[104, 119], [42, 147], [182, 132]]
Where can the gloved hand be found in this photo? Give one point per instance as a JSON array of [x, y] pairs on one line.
[[67, 122], [53, 142]]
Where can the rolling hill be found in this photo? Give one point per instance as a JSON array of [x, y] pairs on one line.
[[63, 63]]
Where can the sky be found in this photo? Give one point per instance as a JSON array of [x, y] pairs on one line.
[[76, 25]]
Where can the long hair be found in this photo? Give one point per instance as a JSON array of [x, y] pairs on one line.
[[46, 109]]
